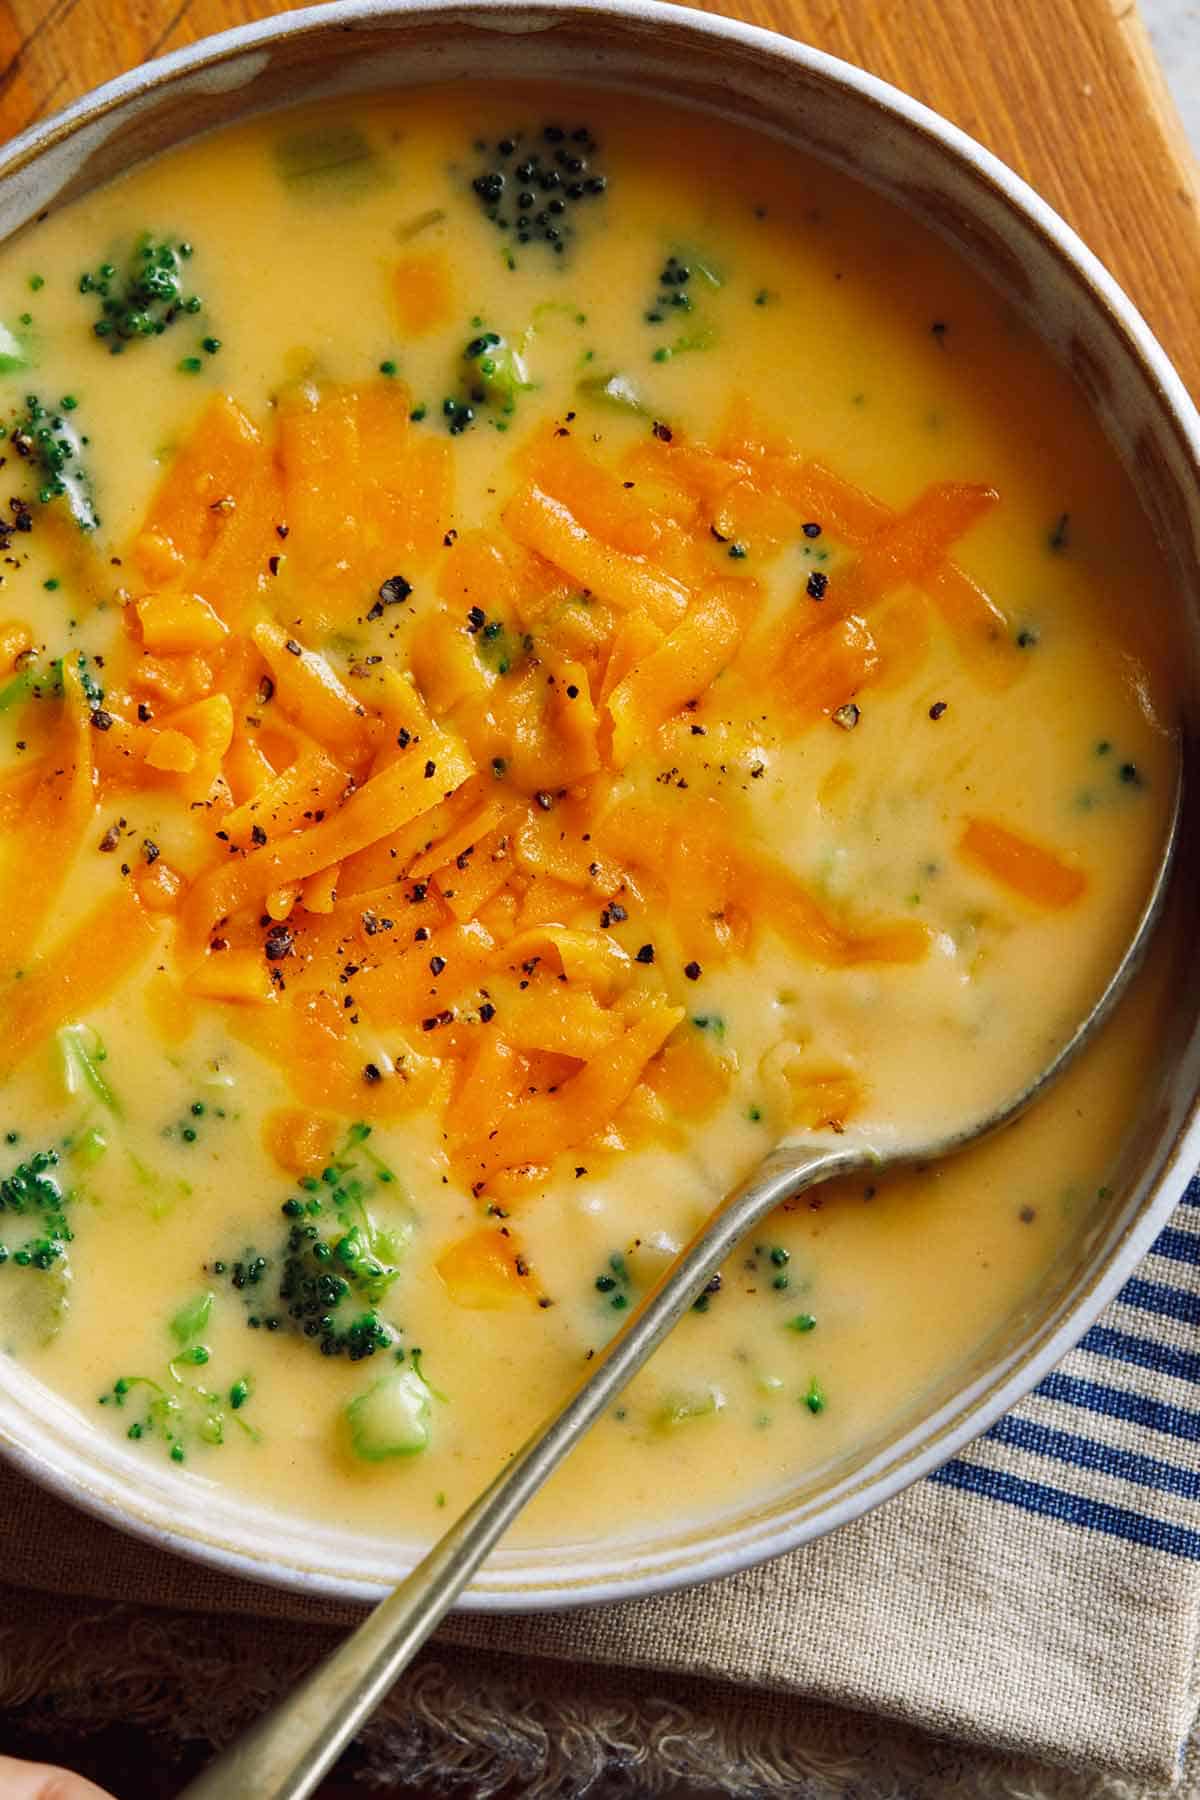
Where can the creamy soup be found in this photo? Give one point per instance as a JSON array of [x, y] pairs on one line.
[[547, 646]]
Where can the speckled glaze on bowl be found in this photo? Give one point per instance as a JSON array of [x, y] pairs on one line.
[[908, 153]]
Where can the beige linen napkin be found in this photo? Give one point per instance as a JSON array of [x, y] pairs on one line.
[[1038, 1596]]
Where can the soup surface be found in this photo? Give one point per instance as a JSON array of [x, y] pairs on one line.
[[547, 645]]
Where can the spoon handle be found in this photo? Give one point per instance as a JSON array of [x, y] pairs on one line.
[[286, 1753]]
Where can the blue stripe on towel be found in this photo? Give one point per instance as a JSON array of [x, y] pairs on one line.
[[1123, 1346], [1080, 1456], [1070, 1509], [1086, 1453], [1179, 1246], [1158, 1297], [1118, 1403]]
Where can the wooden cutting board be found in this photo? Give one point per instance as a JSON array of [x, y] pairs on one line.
[[1066, 91]]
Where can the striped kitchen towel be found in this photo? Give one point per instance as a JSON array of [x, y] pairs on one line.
[[1108, 1440], [1039, 1597], [1039, 1594]]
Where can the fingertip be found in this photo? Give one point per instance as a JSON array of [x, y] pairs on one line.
[[39, 1781]]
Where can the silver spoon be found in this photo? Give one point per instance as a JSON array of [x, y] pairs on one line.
[[286, 1753]]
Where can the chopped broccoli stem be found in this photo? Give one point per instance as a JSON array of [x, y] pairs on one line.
[[89, 1146], [82, 1051], [20, 688], [392, 1418], [412, 228], [612, 390], [684, 1408], [161, 1190], [326, 157], [191, 1319], [14, 352]]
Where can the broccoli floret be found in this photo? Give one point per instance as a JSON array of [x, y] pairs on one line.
[[321, 1283], [180, 1413], [497, 369], [678, 280], [144, 300], [179, 1410], [532, 185], [494, 374], [32, 1194], [334, 1263], [50, 443]]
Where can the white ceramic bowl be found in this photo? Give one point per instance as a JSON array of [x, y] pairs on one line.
[[937, 173]]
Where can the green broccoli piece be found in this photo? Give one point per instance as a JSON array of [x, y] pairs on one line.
[[82, 1051], [34, 681], [614, 390], [50, 443], [179, 1410], [144, 300], [536, 186], [327, 156], [334, 1263], [191, 1319], [34, 1195], [14, 352], [677, 281], [497, 370], [161, 1191], [322, 1284], [181, 1415], [494, 374], [31, 1192], [683, 1408], [392, 1418], [21, 687]]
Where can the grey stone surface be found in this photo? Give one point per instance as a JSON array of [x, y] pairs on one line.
[[1175, 29]]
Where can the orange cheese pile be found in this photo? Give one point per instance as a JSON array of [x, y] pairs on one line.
[[413, 858]]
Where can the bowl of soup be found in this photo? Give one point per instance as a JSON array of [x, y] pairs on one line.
[[556, 632]]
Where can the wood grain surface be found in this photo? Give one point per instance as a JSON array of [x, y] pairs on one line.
[[1066, 91]]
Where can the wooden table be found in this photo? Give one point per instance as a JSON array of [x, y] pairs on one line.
[[1066, 91]]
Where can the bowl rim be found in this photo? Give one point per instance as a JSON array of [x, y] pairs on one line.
[[974, 1407]]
